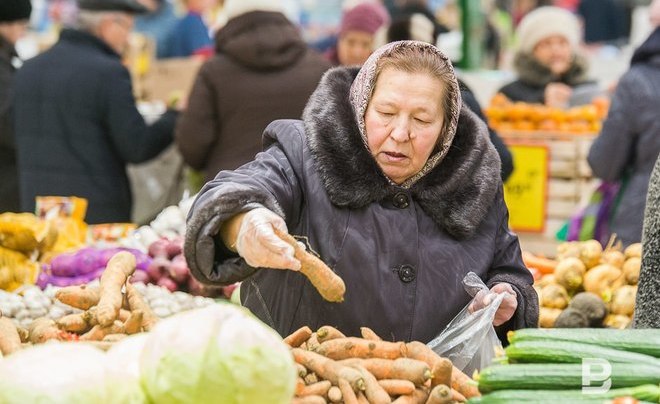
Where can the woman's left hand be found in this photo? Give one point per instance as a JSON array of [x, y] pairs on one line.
[[506, 309]]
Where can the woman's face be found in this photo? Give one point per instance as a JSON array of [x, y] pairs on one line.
[[554, 52], [354, 48], [403, 121]]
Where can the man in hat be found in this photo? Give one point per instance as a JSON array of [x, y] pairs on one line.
[[76, 122], [14, 16]]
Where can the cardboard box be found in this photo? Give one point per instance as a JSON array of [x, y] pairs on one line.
[[168, 76]]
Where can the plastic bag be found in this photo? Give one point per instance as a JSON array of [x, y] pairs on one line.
[[469, 340]]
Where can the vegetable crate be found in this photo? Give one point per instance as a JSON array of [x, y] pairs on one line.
[[569, 183]]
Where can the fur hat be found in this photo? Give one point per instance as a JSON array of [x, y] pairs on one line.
[[544, 22], [366, 17], [234, 8], [15, 10]]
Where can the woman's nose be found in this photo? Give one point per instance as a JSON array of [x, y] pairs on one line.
[[401, 130]]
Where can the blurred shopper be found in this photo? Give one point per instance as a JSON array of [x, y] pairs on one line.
[[14, 16], [647, 314], [358, 31], [604, 22], [77, 125], [191, 35], [418, 27], [158, 23], [629, 143], [262, 71], [547, 61]]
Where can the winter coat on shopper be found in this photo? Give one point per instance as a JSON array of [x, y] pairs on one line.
[[648, 288], [629, 142], [256, 76], [8, 172], [77, 126], [402, 251], [533, 77]]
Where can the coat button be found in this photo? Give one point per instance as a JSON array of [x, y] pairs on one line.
[[401, 200], [406, 273]]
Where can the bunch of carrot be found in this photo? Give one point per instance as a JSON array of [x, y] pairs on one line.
[[339, 369], [109, 315]]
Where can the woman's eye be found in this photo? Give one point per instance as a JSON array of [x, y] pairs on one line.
[[387, 114], [421, 121]]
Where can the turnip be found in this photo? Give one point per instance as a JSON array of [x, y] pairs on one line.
[[158, 268], [159, 248], [179, 270]]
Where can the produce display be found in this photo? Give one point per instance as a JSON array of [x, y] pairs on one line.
[[335, 368], [505, 115], [547, 366], [587, 286]]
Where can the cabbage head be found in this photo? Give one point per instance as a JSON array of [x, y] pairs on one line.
[[217, 354], [123, 371], [54, 373]]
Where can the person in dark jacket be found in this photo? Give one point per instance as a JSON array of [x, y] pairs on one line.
[[547, 60], [418, 27], [262, 71], [604, 21], [647, 302], [77, 125], [14, 16], [392, 183], [629, 142]]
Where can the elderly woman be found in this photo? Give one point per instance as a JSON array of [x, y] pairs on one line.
[[396, 186], [547, 63]]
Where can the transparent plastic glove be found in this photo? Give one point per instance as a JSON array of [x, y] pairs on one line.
[[507, 308], [259, 246]]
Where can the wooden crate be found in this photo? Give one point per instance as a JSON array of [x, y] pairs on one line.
[[569, 182]]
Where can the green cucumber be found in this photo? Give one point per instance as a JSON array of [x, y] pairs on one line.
[[550, 351], [647, 392], [535, 376], [644, 341]]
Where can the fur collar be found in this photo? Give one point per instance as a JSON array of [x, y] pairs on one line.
[[456, 194], [532, 72]]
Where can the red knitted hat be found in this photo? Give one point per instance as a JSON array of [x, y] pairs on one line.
[[365, 17]]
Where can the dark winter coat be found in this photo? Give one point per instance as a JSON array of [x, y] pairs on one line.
[[77, 127], [629, 142], [533, 77], [402, 252], [647, 314], [8, 175], [262, 71]]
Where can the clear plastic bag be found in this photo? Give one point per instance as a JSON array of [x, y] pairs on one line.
[[469, 340]]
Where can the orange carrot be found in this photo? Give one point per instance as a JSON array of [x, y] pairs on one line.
[[351, 347], [133, 323], [308, 400], [317, 389], [456, 396], [313, 342], [327, 333], [441, 394], [302, 371], [328, 283], [463, 384], [373, 391], [442, 370], [334, 394], [395, 387], [81, 297], [368, 333], [402, 368], [544, 265], [74, 323], [44, 329], [328, 369], [10, 341], [299, 336], [347, 392], [419, 396], [97, 333], [362, 398], [136, 302], [300, 385], [119, 269]]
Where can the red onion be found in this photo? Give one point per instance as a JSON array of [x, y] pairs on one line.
[[168, 283], [159, 248], [158, 268], [179, 271]]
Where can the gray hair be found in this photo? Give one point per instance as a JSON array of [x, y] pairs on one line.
[[89, 21]]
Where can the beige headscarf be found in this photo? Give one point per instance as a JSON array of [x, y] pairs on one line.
[[362, 90]]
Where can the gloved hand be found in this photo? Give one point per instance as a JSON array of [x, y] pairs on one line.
[[506, 309], [259, 246]]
